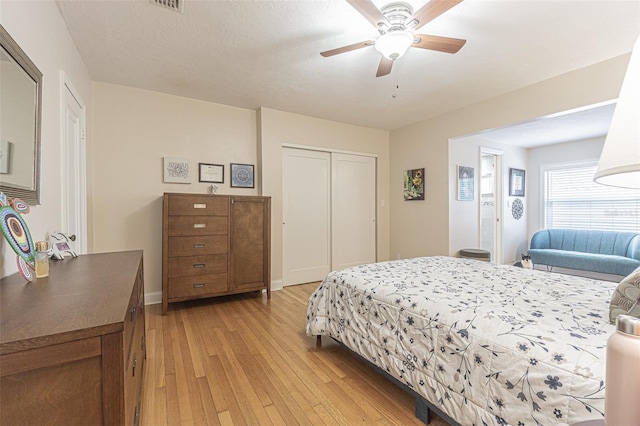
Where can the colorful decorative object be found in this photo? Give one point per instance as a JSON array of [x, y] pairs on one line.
[[414, 184], [16, 232]]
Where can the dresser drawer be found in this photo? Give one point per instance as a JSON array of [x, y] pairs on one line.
[[198, 225], [193, 246], [197, 265], [194, 205], [197, 286]]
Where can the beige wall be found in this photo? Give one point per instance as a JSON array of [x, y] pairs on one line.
[[133, 130], [423, 228], [41, 33], [277, 128]]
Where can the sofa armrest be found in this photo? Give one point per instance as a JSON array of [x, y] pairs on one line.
[[633, 251], [541, 240]]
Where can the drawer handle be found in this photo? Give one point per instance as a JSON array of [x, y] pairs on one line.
[[198, 285], [132, 314], [198, 265], [199, 225], [135, 364], [199, 245], [199, 206]]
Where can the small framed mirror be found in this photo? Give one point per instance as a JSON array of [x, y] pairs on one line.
[[20, 121]]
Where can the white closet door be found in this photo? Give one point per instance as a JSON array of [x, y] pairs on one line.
[[353, 210], [306, 190]]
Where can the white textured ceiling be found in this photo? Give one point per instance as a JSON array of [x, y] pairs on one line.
[[584, 123], [267, 53]]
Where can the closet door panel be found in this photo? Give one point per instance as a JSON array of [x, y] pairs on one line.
[[353, 210], [306, 215]]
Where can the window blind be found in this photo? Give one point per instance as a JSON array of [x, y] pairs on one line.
[[573, 200]]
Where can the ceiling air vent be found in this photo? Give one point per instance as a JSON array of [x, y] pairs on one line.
[[177, 5]]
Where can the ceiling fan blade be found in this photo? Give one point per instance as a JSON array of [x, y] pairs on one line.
[[431, 11], [369, 10], [349, 48], [385, 66], [441, 44]]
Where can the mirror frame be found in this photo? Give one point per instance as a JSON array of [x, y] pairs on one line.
[[29, 196]]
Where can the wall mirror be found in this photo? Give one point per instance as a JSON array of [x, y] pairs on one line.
[[20, 114]]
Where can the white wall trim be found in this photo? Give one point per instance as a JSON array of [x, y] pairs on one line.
[[322, 149], [153, 298], [276, 285]]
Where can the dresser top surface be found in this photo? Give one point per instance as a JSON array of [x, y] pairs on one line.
[[85, 296]]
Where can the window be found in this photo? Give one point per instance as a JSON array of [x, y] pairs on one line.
[[573, 200]]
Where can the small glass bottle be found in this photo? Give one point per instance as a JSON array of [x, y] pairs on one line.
[[621, 407], [42, 259]]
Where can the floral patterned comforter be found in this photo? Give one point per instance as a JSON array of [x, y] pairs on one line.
[[485, 343]]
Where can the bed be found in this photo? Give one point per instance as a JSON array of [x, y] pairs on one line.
[[481, 343]]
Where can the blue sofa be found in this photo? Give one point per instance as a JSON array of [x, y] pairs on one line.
[[609, 252]]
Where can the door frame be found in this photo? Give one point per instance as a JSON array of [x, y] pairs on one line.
[[79, 202]]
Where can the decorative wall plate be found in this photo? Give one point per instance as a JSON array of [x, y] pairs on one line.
[[517, 209]]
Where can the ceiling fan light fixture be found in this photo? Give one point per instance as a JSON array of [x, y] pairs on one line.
[[394, 44]]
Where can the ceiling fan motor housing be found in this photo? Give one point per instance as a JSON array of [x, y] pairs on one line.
[[396, 14]]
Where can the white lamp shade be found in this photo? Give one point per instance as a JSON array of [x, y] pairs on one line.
[[619, 163], [394, 44]]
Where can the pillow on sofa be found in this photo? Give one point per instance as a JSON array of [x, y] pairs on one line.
[[626, 297]]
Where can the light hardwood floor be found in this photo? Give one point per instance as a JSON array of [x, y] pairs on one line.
[[245, 360]]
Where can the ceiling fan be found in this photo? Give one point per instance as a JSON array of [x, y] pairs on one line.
[[396, 23]]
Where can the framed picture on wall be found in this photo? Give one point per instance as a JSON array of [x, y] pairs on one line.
[[242, 175], [176, 170], [516, 182], [213, 173], [466, 183], [414, 184]]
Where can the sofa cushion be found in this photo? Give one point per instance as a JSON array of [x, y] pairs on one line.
[[608, 264], [626, 297]]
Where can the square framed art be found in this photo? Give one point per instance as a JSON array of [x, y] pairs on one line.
[[176, 170], [242, 176]]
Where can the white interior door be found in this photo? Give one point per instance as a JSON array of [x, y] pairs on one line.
[[306, 190], [353, 210], [74, 167], [490, 202]]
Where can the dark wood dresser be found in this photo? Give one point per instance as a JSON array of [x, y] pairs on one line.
[[214, 245], [72, 345]]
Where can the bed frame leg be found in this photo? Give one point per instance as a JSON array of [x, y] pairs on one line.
[[318, 341], [422, 410]]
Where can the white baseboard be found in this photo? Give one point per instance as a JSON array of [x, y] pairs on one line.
[[155, 297]]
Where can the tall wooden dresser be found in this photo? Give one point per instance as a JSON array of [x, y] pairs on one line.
[[72, 345], [214, 245]]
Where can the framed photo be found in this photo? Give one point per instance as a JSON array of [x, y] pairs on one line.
[[176, 170], [213, 173], [414, 184], [242, 175], [516, 182], [466, 183]]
